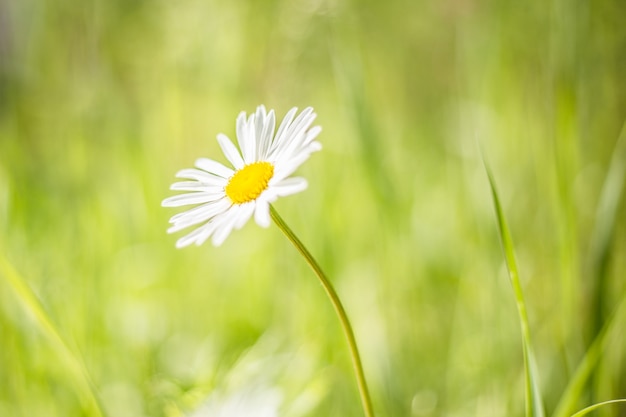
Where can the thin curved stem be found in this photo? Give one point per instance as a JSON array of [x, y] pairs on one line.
[[341, 312], [596, 406]]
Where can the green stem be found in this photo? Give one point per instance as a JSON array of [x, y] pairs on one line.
[[596, 406], [341, 312]]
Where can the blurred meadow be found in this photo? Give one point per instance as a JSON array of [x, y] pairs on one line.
[[102, 102]]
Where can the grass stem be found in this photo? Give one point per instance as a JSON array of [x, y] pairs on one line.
[[341, 312], [534, 405]]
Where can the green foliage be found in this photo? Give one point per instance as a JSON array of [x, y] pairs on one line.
[[101, 102]]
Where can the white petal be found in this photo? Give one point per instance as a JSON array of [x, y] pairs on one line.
[[230, 151], [294, 139], [299, 126], [214, 167], [198, 215], [196, 186], [226, 226], [262, 213], [249, 149], [246, 137], [202, 232], [202, 176], [315, 146], [290, 186], [284, 126], [286, 148], [191, 198], [218, 206], [187, 223], [288, 166], [312, 134], [241, 131], [245, 212], [266, 136], [292, 152], [259, 124], [302, 122], [202, 237], [268, 195]]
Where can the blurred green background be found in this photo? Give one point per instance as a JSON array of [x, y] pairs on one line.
[[101, 102]]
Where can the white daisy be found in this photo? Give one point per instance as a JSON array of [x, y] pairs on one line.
[[227, 198]]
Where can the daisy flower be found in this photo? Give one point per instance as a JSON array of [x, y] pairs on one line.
[[226, 198]]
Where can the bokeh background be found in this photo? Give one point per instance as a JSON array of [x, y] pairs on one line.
[[102, 101]]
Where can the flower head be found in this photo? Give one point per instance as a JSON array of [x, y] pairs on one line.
[[226, 198]]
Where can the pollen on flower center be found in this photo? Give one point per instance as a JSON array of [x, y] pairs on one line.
[[249, 182]]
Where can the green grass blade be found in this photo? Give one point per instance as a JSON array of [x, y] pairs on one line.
[[603, 232], [534, 405], [606, 217], [593, 407], [576, 384], [34, 307]]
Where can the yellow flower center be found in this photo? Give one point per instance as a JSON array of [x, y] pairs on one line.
[[249, 182]]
